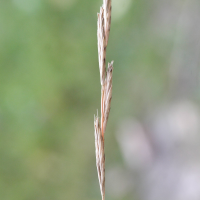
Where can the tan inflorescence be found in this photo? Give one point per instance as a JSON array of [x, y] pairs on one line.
[[103, 30]]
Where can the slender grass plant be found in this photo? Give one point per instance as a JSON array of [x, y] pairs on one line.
[[103, 30]]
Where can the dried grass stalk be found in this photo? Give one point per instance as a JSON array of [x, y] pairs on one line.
[[103, 30]]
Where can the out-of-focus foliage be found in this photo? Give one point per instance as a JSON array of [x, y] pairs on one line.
[[50, 88]]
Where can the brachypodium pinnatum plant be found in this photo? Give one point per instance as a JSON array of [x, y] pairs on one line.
[[103, 30]]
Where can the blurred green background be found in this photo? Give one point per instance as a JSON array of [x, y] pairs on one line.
[[50, 89]]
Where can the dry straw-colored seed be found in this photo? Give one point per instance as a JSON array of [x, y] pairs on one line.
[[107, 17], [101, 46], [100, 156]]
